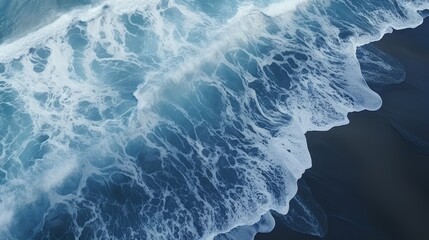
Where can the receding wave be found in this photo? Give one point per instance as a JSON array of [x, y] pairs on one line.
[[177, 119]]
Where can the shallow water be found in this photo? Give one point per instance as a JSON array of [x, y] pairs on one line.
[[381, 172], [175, 119]]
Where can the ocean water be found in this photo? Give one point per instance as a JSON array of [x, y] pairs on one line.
[[178, 119]]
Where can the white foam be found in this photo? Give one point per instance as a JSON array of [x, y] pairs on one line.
[[56, 175], [5, 218], [233, 34], [185, 66], [18, 47], [280, 8]]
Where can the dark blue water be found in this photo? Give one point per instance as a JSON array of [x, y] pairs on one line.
[[177, 119]]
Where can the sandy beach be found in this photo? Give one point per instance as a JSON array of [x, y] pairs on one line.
[[372, 176]]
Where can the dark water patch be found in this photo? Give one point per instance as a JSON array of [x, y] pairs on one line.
[[370, 165]]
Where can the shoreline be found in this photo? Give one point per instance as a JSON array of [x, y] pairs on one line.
[[378, 163]]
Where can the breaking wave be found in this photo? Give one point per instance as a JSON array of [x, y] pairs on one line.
[[177, 119]]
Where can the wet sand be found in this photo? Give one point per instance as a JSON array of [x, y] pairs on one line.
[[372, 176]]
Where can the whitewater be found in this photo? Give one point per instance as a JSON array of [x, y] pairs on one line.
[[177, 119]]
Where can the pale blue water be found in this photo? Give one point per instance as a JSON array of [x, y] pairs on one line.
[[177, 119]]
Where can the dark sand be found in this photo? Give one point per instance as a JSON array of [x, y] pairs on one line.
[[372, 176]]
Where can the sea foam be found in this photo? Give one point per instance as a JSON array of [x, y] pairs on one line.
[[179, 119]]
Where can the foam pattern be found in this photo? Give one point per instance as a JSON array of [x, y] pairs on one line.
[[174, 119]]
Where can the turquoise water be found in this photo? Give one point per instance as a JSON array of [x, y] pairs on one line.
[[177, 119]]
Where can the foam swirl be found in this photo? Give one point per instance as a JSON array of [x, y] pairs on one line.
[[176, 119]]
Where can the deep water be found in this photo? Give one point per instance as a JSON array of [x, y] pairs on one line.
[[178, 119]]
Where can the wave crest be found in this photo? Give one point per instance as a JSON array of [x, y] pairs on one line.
[[176, 119]]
